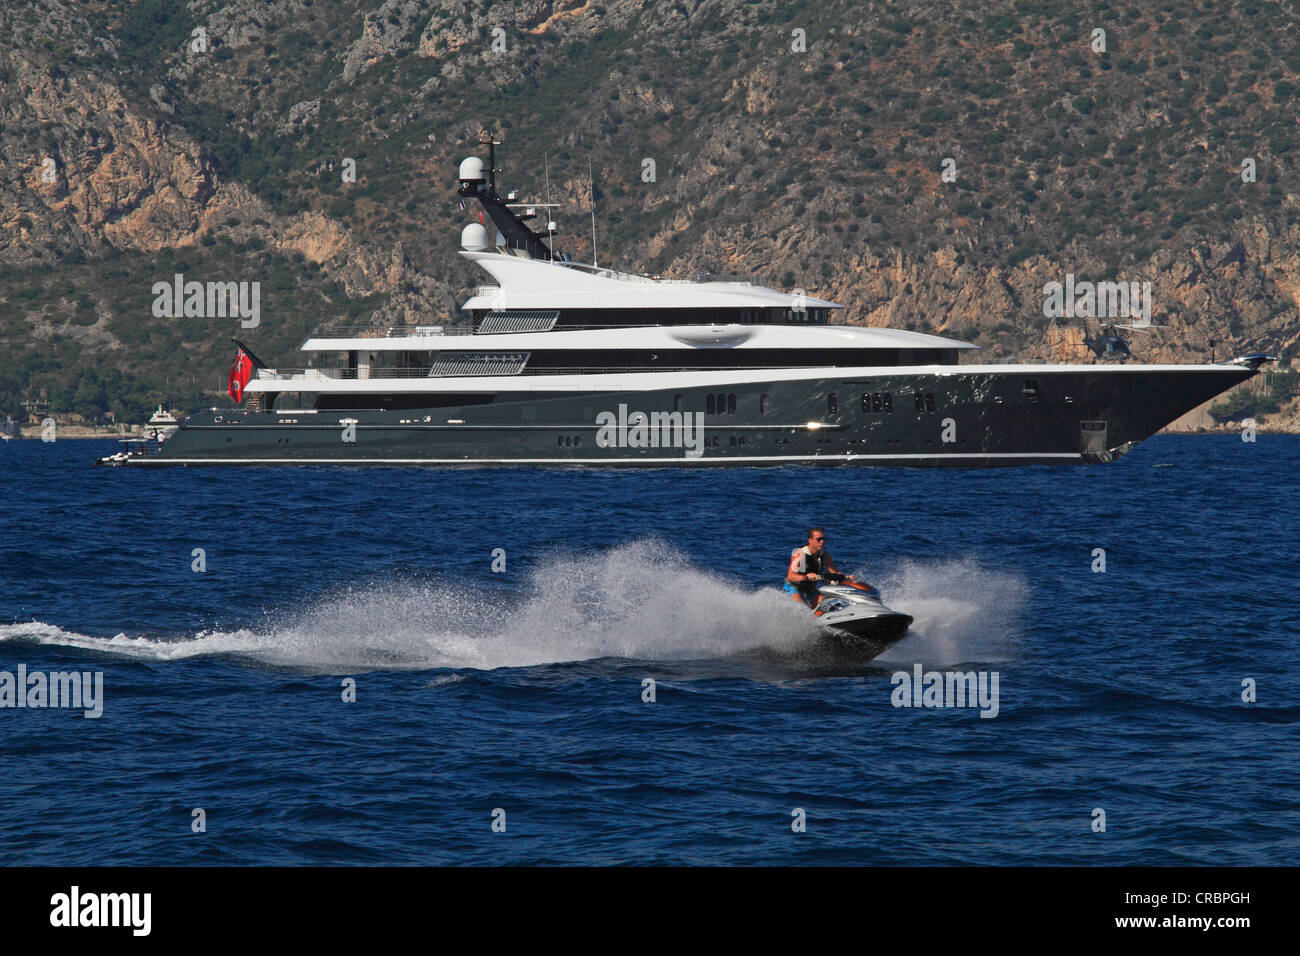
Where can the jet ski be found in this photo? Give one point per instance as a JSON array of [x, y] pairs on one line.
[[852, 625], [856, 622]]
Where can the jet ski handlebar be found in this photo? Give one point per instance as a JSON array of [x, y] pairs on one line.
[[834, 577]]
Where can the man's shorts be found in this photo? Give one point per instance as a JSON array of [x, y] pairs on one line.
[[807, 595]]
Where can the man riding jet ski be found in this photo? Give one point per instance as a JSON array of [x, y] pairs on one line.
[[808, 565], [852, 612]]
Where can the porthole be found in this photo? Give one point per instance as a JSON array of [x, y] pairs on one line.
[[711, 405], [731, 404], [876, 402]]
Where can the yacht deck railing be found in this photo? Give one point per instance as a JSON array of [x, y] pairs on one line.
[[308, 375], [456, 328]]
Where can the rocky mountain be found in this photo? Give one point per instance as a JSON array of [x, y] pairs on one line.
[[933, 167]]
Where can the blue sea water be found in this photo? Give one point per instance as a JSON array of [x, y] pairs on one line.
[[521, 690]]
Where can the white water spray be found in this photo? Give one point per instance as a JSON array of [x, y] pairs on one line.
[[641, 600]]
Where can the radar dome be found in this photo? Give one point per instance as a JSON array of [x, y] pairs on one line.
[[471, 170], [474, 237]]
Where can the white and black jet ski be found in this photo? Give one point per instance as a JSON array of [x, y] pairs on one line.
[[856, 621]]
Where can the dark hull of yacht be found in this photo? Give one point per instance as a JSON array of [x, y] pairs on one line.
[[949, 418]]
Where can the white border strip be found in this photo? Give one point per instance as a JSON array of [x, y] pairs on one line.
[[596, 462], [607, 382]]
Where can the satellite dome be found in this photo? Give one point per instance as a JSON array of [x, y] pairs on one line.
[[474, 237], [471, 170]]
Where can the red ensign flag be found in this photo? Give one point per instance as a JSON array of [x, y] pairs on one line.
[[240, 373]]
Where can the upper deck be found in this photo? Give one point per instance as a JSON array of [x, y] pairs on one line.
[[660, 337]]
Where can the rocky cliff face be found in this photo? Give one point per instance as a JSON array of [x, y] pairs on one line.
[[107, 173], [931, 169], [1199, 295], [102, 173]]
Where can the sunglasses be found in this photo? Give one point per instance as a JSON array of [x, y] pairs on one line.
[[820, 539]]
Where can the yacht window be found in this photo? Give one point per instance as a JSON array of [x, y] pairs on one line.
[[929, 401], [731, 404], [710, 405], [832, 403], [762, 404], [876, 403], [920, 402], [889, 403], [677, 403]]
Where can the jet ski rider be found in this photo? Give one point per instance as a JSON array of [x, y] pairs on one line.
[[808, 566]]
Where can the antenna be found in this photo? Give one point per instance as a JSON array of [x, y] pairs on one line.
[[591, 186], [552, 231], [492, 143]]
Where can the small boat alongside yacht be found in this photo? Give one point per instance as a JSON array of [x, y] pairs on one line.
[[161, 425]]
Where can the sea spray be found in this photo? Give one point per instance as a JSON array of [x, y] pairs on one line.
[[962, 611], [640, 600]]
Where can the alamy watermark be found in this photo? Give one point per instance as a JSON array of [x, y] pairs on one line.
[[654, 430], [1097, 300], [946, 689], [77, 690], [75, 908], [208, 300]]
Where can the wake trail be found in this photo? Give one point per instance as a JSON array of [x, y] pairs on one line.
[[642, 600]]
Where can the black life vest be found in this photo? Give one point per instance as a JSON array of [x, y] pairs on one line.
[[811, 563]]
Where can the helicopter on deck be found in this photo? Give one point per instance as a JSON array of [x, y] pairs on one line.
[[1109, 342]]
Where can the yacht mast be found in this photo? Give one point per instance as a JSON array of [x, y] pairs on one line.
[[591, 188]]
